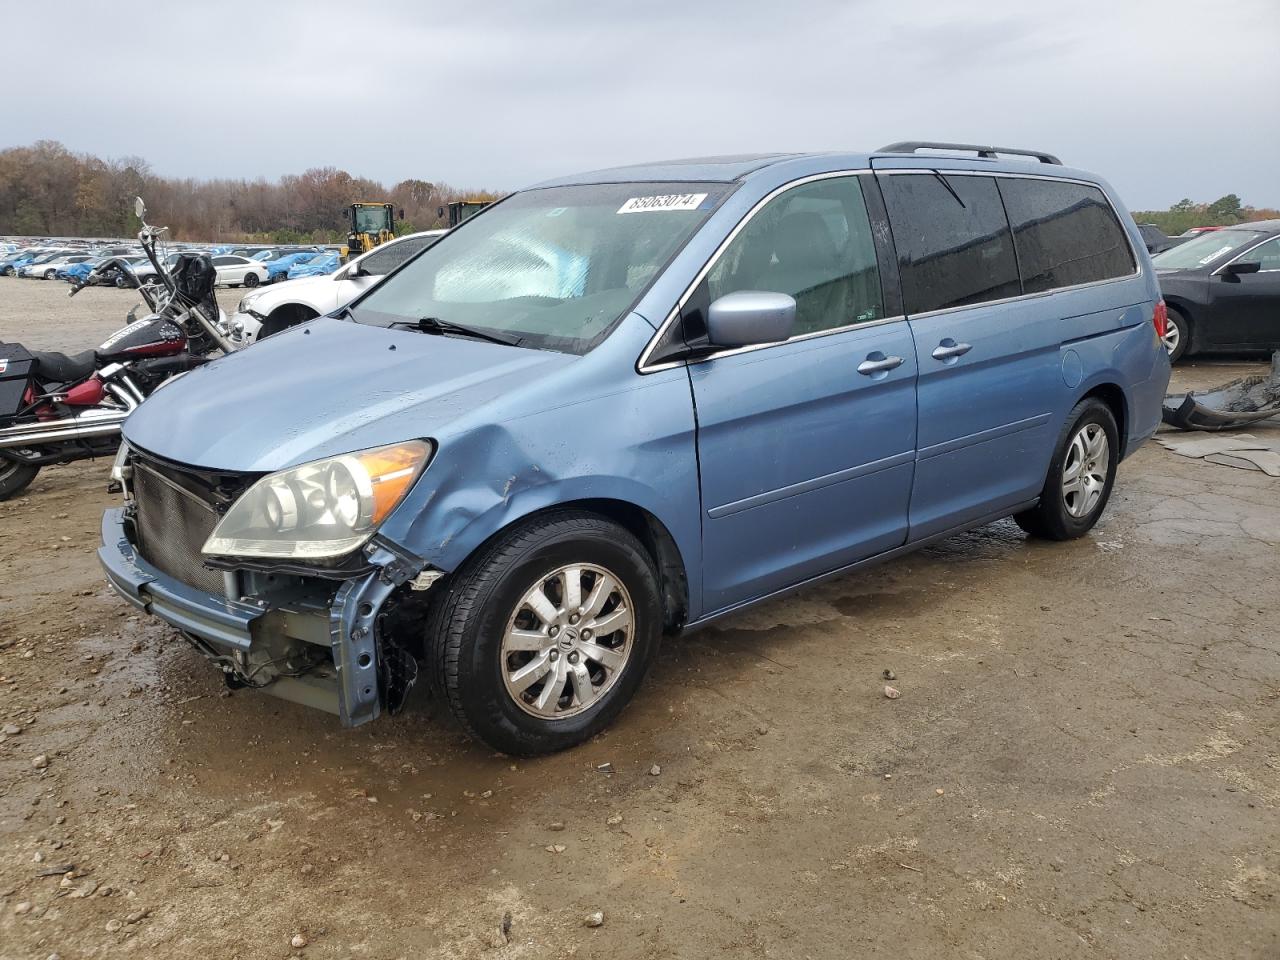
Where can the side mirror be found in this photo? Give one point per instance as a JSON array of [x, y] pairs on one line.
[[139, 208], [1241, 267], [751, 317], [400, 214]]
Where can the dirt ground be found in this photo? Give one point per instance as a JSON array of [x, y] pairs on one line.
[[1083, 762]]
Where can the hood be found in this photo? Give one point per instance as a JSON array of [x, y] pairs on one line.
[[324, 388]]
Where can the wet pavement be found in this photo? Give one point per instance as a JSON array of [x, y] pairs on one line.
[[1083, 760]]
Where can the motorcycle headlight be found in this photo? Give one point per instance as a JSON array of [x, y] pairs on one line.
[[321, 509]]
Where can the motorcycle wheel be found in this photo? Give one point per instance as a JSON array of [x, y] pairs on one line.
[[15, 477]]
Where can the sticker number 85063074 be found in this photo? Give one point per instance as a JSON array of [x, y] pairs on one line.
[[668, 201]]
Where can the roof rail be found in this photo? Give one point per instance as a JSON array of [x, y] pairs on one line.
[[986, 153]]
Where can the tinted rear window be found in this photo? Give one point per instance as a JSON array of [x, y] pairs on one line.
[[953, 240], [1064, 233]]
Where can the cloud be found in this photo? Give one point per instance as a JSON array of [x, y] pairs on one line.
[[1164, 98]]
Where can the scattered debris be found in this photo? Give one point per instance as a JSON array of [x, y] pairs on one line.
[[939, 791], [11, 729], [1233, 404], [605, 767], [594, 919], [40, 761], [555, 826], [506, 926], [889, 674], [614, 820], [23, 908], [298, 941], [893, 693], [762, 728], [913, 869], [1236, 450], [555, 848], [114, 926], [655, 770]]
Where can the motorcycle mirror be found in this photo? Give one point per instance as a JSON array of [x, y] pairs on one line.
[[139, 208]]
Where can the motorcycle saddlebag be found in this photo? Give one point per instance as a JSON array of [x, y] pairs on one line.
[[15, 374]]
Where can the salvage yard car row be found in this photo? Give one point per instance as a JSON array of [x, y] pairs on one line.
[[244, 266]]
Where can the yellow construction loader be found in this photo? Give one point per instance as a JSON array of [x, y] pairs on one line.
[[372, 223]]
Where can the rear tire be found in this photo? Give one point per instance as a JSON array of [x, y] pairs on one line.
[[1177, 337], [483, 631], [1073, 497], [251, 280], [15, 477]]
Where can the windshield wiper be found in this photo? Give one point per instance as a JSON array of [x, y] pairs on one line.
[[441, 327]]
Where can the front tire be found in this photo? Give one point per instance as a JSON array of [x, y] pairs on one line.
[[1177, 335], [15, 477], [50, 274], [541, 638], [1081, 475]]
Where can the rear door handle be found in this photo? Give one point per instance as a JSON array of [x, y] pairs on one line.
[[870, 367], [948, 350]]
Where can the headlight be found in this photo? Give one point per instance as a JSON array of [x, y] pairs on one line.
[[246, 303], [321, 509]]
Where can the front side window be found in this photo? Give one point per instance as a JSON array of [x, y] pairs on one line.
[[953, 240], [1203, 250], [1064, 233], [556, 267], [1267, 254], [384, 260], [814, 243]]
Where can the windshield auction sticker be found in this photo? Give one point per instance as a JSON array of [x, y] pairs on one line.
[[669, 201]]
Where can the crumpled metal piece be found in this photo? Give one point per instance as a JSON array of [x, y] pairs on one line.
[[1234, 404]]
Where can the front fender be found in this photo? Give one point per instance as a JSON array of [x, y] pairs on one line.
[[634, 445]]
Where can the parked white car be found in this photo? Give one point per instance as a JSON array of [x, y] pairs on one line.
[[284, 305], [234, 271]]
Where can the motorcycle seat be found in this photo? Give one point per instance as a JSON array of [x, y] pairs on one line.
[[61, 368]]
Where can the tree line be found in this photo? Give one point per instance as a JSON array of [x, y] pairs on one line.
[[48, 190], [1223, 212]]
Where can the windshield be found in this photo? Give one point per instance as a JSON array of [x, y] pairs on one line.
[[555, 267], [372, 219], [1203, 250]]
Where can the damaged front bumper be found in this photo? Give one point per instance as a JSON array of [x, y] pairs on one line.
[[1230, 406], [319, 643]]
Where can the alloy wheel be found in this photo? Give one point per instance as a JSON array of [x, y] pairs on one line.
[[568, 641], [1172, 337], [1084, 473]]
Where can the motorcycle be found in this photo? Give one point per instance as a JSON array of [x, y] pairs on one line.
[[56, 408]]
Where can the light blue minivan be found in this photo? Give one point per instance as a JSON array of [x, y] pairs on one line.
[[631, 402]]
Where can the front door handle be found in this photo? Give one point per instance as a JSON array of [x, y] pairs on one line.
[[948, 349], [870, 367]]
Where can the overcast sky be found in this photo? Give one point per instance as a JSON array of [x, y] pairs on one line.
[[1165, 98]]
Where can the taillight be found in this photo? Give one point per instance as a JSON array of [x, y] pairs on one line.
[[1160, 319]]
